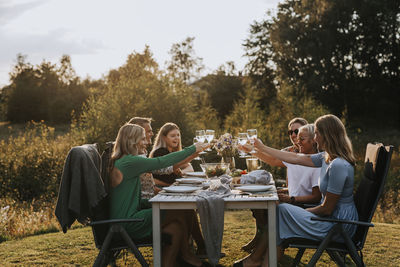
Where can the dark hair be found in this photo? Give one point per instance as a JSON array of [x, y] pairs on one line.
[[140, 121], [297, 120]]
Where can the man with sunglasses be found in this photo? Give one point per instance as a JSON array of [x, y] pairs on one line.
[[293, 130]]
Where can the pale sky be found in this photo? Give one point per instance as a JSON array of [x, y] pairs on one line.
[[100, 34]]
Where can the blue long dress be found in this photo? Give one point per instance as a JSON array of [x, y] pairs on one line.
[[336, 177]]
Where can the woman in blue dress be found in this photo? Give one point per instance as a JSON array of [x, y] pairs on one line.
[[336, 185]]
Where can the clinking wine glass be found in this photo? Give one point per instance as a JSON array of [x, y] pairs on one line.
[[201, 137], [251, 135], [195, 140], [209, 136], [242, 140]]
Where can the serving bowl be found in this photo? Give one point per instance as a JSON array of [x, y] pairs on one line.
[[214, 169]]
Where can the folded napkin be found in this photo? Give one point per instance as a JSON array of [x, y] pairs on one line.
[[221, 185], [256, 177], [211, 205]]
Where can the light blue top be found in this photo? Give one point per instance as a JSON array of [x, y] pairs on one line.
[[337, 177]]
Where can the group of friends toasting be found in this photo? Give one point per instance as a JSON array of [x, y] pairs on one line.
[[320, 170]]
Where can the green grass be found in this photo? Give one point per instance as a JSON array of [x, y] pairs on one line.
[[76, 247]]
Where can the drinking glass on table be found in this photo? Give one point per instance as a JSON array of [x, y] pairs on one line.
[[242, 140], [252, 164], [201, 137], [209, 136], [251, 135]]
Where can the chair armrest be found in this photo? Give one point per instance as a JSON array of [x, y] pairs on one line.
[[113, 221], [342, 221]]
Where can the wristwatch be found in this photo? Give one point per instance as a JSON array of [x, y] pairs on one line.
[[292, 200]]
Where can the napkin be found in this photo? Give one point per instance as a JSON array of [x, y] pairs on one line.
[[256, 177], [210, 205]]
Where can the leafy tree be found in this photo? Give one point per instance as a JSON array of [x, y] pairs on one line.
[[44, 92], [184, 64], [246, 113], [342, 53], [221, 89], [140, 88]]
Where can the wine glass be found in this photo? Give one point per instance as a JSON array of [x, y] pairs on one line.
[[242, 140], [251, 135], [200, 137], [195, 140], [209, 136]]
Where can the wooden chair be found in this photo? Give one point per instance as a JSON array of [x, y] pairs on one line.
[[377, 161]]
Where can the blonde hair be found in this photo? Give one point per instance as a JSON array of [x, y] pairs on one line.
[[334, 138], [163, 132], [127, 141], [310, 130]]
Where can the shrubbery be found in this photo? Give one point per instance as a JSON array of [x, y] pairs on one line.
[[32, 162]]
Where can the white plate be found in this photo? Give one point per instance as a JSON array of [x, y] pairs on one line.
[[198, 174], [191, 180], [254, 188], [180, 189]]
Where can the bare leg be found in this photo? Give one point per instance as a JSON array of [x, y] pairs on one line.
[[260, 222], [170, 252], [197, 235], [183, 247]]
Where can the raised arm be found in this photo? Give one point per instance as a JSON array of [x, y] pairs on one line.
[[290, 157], [269, 159]]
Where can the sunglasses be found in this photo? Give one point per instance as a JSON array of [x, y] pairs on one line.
[[290, 132]]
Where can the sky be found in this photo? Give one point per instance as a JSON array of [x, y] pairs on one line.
[[99, 35]]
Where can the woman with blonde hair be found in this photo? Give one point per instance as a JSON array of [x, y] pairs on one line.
[[336, 185], [126, 201], [168, 140]]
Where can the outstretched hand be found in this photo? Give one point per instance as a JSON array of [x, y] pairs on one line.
[[246, 148], [201, 146], [258, 144]]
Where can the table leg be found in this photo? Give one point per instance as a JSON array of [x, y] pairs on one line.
[[156, 235], [272, 234]]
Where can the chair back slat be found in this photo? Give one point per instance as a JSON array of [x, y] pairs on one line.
[[377, 161]]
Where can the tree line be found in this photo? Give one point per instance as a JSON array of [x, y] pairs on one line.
[[341, 55]]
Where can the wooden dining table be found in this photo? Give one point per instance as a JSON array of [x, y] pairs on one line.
[[234, 201]]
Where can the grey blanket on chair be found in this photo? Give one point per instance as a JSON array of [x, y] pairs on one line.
[[210, 206], [81, 186]]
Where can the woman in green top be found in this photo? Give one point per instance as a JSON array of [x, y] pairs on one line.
[[126, 200]]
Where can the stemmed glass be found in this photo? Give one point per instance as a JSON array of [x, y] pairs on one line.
[[195, 140], [242, 140], [251, 135], [209, 136], [200, 137]]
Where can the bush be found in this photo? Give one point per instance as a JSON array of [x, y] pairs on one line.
[[34, 162]]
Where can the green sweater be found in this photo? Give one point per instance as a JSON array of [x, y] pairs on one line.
[[126, 199]]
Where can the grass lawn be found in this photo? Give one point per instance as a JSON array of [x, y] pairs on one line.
[[77, 247]]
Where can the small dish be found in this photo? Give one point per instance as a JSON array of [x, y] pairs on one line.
[[180, 189], [254, 188], [198, 174], [191, 180]]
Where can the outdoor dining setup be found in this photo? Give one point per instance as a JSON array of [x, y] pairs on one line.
[[132, 198]]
